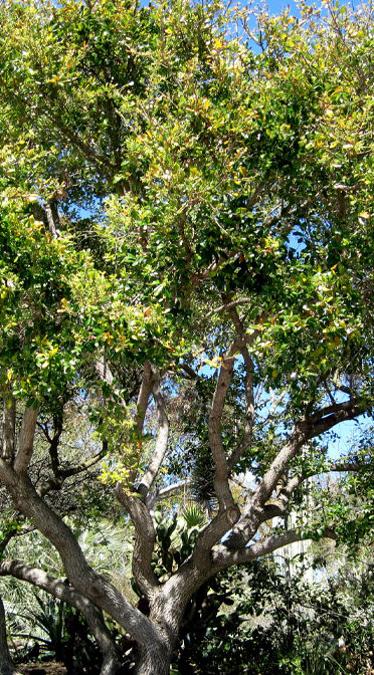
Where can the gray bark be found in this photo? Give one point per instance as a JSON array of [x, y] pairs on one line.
[[59, 589], [85, 580], [154, 661]]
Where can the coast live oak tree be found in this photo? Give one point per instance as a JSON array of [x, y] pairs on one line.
[[186, 251]]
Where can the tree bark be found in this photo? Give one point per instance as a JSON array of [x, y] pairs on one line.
[[167, 607], [110, 665], [85, 580], [154, 661]]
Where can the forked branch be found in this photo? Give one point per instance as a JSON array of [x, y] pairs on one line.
[[223, 557]]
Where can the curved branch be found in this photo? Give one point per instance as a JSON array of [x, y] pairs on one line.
[[328, 417], [286, 491], [224, 557], [170, 490], [304, 430], [87, 464], [86, 581], [211, 534], [61, 590]]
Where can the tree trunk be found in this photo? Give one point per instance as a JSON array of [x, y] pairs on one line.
[[167, 607], [110, 665], [154, 660], [166, 612], [6, 664]]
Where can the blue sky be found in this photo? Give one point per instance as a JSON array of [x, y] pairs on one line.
[[277, 6]]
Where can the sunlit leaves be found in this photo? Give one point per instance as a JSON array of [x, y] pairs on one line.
[[211, 172]]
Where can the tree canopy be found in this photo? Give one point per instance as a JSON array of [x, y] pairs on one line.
[[186, 282]]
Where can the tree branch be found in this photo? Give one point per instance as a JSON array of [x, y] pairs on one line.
[[26, 440], [229, 305], [190, 372], [145, 538], [221, 474], [9, 428], [6, 663], [304, 431], [104, 372], [331, 415], [61, 590], [254, 514], [53, 446], [158, 455], [293, 483], [211, 534], [171, 490], [249, 388], [224, 557], [85, 580], [143, 398]]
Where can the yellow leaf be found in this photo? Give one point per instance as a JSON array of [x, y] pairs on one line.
[[217, 43]]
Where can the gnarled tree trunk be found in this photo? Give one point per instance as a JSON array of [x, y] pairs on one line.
[[167, 606]]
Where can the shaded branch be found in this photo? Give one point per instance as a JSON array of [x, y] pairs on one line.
[[57, 481], [229, 305], [192, 374], [9, 428], [53, 446], [88, 464], [88, 151], [329, 416]]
